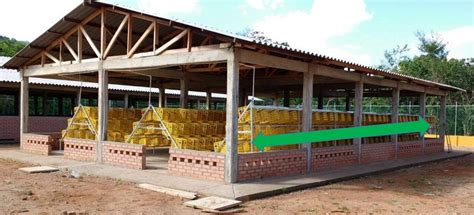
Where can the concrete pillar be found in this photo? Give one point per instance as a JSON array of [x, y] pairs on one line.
[[208, 100], [286, 98], [359, 90], [348, 102], [78, 98], [320, 101], [125, 100], [442, 118], [103, 103], [231, 158], [183, 96], [423, 113], [24, 103], [394, 116], [162, 98], [307, 112]]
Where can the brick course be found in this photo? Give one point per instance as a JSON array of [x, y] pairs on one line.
[[10, 126], [333, 157], [124, 155], [434, 146], [410, 149], [37, 144], [197, 164], [80, 149], [271, 164], [377, 152]]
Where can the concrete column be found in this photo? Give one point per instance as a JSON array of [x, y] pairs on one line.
[[320, 101], [183, 96], [24, 103], [307, 112], [286, 98], [103, 103], [231, 158], [78, 98], [359, 90], [162, 98], [394, 116], [423, 113], [208, 100], [125, 100], [442, 118], [348, 102]]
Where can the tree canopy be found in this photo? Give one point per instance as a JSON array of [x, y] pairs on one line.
[[10, 46]]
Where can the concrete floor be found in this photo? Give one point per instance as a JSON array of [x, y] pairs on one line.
[[158, 174]]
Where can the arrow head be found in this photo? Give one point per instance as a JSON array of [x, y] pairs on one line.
[[423, 126], [259, 141]]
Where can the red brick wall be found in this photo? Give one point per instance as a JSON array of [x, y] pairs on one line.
[[377, 152], [36, 144], [10, 125], [79, 149], [434, 146], [410, 149], [271, 164], [333, 157], [197, 164], [124, 155]]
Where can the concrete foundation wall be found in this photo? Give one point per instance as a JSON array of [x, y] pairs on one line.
[[271, 164], [10, 126], [197, 164]]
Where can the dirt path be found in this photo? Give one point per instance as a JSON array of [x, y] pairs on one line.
[[439, 188]]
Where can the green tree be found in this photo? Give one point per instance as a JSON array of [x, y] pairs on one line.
[[10, 46]]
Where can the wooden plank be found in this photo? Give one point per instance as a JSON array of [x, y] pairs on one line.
[[129, 33], [103, 33], [189, 44], [115, 36], [51, 57], [169, 191], [140, 40], [231, 159], [71, 51], [89, 40], [165, 46], [38, 169], [79, 45]]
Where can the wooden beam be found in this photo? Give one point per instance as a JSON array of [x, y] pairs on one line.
[[79, 46], [139, 42], [189, 40], [71, 51], [124, 63], [89, 40], [156, 35], [129, 33], [51, 57], [103, 34], [116, 35], [165, 46]]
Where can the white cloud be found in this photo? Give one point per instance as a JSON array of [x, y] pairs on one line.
[[312, 30], [265, 4], [26, 19], [460, 41], [167, 7]]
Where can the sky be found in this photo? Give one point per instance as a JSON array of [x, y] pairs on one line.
[[355, 30]]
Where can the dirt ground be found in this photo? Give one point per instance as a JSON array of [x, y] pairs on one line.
[[437, 188]]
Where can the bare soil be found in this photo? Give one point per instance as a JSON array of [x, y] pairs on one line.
[[439, 188]]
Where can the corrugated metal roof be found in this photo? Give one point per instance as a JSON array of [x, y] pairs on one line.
[[84, 10]]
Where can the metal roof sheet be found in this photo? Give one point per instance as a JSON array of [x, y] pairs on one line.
[[84, 10]]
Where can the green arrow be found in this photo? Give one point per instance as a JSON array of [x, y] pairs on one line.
[[419, 126]]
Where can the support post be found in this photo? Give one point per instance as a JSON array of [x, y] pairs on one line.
[[348, 101], [286, 98], [183, 96], [78, 98], [442, 118], [103, 103], [320, 101], [162, 98], [359, 90], [275, 100], [125, 100], [208, 100], [231, 158], [394, 116], [24, 111], [422, 114], [307, 113]]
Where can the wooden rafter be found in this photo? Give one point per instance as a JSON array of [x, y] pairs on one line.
[[71, 51], [115, 36], [171, 42], [103, 33], [51, 57], [89, 40], [139, 42]]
